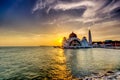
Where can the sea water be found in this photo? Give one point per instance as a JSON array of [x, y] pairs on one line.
[[48, 63]]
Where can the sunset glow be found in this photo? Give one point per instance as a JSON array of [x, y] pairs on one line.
[[37, 22]]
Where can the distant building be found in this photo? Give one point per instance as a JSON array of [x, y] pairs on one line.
[[74, 42], [106, 44]]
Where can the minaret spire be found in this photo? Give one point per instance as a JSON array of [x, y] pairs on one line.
[[90, 37]]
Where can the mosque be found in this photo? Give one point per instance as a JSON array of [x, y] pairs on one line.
[[73, 42]]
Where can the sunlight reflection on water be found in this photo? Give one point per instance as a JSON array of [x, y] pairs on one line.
[[54, 63], [33, 63], [84, 62]]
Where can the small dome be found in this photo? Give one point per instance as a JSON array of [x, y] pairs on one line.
[[84, 37], [72, 35]]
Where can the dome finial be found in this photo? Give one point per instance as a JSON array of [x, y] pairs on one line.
[[72, 35]]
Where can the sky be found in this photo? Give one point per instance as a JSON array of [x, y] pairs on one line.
[[46, 22]]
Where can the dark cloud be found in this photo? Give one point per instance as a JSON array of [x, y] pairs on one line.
[[115, 13], [103, 10], [63, 12]]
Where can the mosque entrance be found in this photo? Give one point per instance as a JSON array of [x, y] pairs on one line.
[[75, 43]]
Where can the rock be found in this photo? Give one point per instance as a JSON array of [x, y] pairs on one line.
[[110, 72], [118, 77], [109, 75], [117, 73], [95, 73]]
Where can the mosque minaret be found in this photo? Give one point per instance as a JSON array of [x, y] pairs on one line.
[[90, 37]]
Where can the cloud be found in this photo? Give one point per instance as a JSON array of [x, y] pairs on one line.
[[39, 19], [86, 11], [74, 5], [48, 14]]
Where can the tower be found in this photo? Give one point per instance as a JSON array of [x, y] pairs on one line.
[[90, 37]]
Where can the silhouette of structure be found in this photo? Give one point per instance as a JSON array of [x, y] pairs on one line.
[[74, 42], [90, 37]]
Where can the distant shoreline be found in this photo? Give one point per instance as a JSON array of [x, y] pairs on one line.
[[116, 48], [29, 46]]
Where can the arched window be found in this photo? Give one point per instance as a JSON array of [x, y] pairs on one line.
[[75, 43]]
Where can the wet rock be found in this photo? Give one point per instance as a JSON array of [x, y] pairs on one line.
[[95, 73], [117, 73], [109, 75], [118, 77], [110, 72]]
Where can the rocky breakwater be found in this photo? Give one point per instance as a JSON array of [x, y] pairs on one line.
[[109, 75]]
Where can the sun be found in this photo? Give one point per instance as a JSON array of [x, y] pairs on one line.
[[60, 40]]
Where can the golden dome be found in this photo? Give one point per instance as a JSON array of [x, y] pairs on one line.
[[72, 35]]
